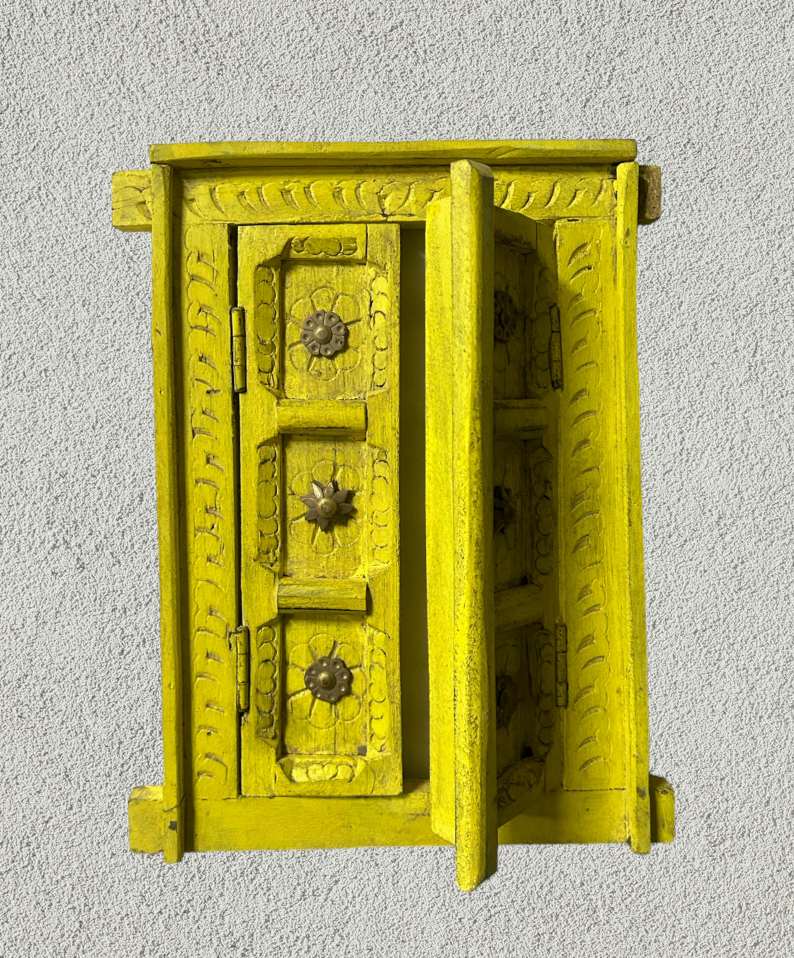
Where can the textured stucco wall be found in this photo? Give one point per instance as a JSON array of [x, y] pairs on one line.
[[706, 90]]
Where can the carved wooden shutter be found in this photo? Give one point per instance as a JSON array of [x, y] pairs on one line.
[[532, 436], [312, 594]]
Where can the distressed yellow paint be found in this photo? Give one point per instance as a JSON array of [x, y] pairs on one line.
[[375, 195], [662, 810], [493, 152], [464, 557], [165, 332], [440, 573], [402, 820], [147, 825], [553, 408], [630, 517]]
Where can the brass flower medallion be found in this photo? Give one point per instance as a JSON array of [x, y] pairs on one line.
[[324, 333], [328, 679]]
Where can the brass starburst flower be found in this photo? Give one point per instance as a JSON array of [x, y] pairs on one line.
[[328, 504]]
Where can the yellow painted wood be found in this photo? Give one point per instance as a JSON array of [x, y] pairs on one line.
[[145, 811], [514, 608], [304, 418], [165, 338], [525, 421], [554, 818], [493, 152], [519, 418], [132, 200], [662, 810], [561, 241], [373, 194], [472, 449], [594, 560], [634, 643], [347, 595], [403, 820], [439, 489]]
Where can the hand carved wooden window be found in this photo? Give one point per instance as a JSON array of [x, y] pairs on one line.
[[278, 274]]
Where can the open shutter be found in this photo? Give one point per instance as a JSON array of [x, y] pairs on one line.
[[319, 416], [459, 318], [534, 523], [491, 420]]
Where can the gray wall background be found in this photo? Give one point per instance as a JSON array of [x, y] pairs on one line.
[[706, 89]]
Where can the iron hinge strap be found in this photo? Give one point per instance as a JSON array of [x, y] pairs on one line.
[[561, 648], [238, 349], [243, 648]]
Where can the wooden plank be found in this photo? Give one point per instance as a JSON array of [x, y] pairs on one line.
[[518, 232], [322, 418], [662, 810], [145, 813], [165, 334], [242, 824], [473, 635], [517, 607], [132, 200], [519, 418], [402, 820], [629, 517], [341, 595], [649, 204], [443, 152], [440, 558]]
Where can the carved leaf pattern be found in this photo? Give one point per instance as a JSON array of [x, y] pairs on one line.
[[286, 199], [539, 192], [582, 449], [210, 511]]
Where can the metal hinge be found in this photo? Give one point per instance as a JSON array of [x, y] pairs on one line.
[[555, 348], [561, 648], [243, 668], [238, 349]]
